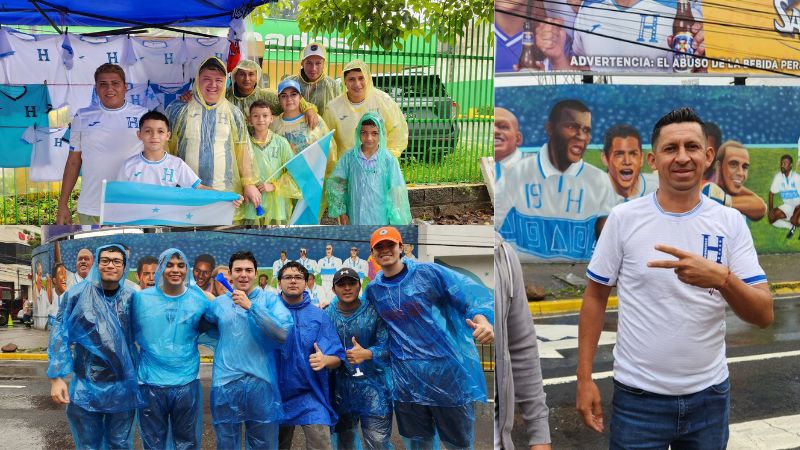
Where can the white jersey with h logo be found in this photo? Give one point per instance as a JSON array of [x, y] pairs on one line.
[[788, 188], [50, 152], [548, 214], [671, 335], [647, 22], [168, 171]]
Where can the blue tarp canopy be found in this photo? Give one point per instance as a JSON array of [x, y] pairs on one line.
[[181, 13]]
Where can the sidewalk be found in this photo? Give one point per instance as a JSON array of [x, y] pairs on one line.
[[781, 270]]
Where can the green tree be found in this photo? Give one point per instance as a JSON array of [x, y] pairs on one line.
[[385, 24]]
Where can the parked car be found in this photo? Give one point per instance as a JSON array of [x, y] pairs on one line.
[[430, 113]]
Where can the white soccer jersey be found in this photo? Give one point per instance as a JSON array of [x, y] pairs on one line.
[[328, 266], [359, 265], [168, 93], [160, 61], [73, 279], [36, 59], [671, 335], [52, 308], [309, 264], [648, 182], [201, 49], [647, 22], [105, 138], [90, 52], [788, 187], [547, 214], [50, 152], [278, 265], [168, 171]]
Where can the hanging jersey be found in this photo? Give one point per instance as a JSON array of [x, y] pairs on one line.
[[105, 138], [89, 53], [50, 152], [160, 61], [168, 93], [168, 171], [20, 108], [200, 49], [35, 59], [647, 22]]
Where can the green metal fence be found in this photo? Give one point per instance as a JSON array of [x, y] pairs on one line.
[[445, 147]]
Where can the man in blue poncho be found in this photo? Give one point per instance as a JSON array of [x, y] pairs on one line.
[[434, 315], [361, 386], [252, 324], [311, 349], [95, 318], [166, 319]]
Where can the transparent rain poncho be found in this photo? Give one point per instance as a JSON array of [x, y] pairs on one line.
[[434, 360], [369, 195], [99, 328], [244, 386], [306, 393], [370, 394], [167, 328]]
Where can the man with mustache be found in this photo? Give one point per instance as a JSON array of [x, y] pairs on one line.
[[622, 154], [734, 164], [554, 205]]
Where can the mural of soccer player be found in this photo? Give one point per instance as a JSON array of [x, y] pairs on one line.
[[629, 20], [733, 163], [785, 183], [622, 154], [713, 139], [507, 138], [553, 205]]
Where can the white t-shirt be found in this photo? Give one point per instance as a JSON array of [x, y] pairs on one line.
[[50, 152], [278, 265], [788, 187], [309, 264], [359, 265], [106, 138], [647, 22], [648, 183], [328, 266], [52, 308], [671, 335], [73, 279], [547, 214], [160, 61], [168, 171]]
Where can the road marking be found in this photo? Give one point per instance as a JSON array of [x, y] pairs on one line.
[[772, 433], [12, 387], [553, 338], [737, 359]]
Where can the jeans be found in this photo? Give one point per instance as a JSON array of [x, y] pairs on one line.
[[420, 423], [95, 430], [644, 420], [178, 407], [377, 431]]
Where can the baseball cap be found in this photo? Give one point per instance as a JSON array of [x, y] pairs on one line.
[[285, 84], [314, 49], [345, 272], [385, 234]]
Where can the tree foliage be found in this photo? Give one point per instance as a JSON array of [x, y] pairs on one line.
[[386, 23]]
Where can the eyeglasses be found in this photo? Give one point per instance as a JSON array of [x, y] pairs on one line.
[[118, 262], [293, 278]]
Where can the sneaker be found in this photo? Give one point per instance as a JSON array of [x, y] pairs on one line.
[[790, 233]]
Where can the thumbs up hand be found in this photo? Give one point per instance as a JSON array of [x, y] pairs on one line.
[[317, 359], [484, 333], [358, 354]]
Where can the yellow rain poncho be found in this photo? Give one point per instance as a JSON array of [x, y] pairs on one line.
[[213, 141], [320, 91], [259, 93], [344, 116], [269, 157]]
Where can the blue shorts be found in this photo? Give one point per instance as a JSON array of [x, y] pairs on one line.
[[455, 425]]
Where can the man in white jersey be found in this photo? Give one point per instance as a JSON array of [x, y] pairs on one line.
[[102, 137], [309, 264], [645, 30], [83, 263], [622, 154], [327, 268], [356, 263], [279, 263], [786, 183], [671, 383], [552, 206], [507, 139]]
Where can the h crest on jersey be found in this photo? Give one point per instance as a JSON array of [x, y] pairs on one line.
[[718, 249]]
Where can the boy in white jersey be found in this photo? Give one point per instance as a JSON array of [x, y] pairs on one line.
[[671, 383]]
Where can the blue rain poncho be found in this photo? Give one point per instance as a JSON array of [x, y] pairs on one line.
[[100, 329], [167, 328], [368, 395], [247, 343], [370, 194], [433, 356], [306, 393]]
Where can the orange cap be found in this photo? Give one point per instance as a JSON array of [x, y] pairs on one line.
[[385, 234]]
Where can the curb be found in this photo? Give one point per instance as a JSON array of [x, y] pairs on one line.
[[573, 305], [24, 356]]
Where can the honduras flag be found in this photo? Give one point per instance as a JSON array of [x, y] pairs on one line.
[[308, 171], [126, 203]]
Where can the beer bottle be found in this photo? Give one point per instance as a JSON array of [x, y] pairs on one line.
[[530, 57], [682, 38]]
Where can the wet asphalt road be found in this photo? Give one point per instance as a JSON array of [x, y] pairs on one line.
[[30, 420], [759, 389]]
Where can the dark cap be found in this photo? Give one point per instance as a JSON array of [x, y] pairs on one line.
[[345, 272]]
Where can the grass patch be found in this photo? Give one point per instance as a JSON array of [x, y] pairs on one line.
[[462, 165], [764, 164]]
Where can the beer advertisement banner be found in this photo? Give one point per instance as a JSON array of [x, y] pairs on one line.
[[551, 204], [648, 36]]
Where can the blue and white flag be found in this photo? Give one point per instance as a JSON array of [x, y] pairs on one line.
[[126, 203], [308, 171]]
